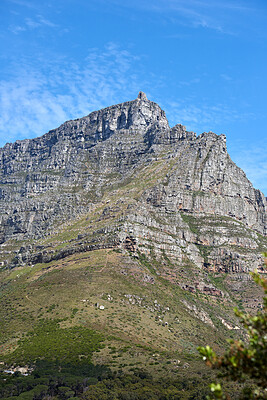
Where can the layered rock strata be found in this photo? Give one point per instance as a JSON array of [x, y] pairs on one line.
[[185, 197]]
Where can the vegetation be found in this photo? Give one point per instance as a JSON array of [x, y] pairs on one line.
[[141, 386], [95, 382], [244, 362], [51, 317], [54, 344], [52, 380]]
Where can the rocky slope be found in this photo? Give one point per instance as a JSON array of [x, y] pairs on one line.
[[196, 204]]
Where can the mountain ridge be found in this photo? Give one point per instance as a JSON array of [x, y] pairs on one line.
[[63, 173]]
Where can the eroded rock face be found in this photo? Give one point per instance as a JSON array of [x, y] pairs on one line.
[[205, 180], [187, 199], [36, 175]]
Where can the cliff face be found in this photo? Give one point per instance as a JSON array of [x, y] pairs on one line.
[[42, 179], [160, 188]]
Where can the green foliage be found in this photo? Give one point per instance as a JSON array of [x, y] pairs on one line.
[[51, 342], [192, 222], [141, 386], [93, 382], [244, 361], [204, 251], [51, 380], [144, 261]]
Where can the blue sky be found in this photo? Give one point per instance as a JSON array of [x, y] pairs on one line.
[[204, 62]]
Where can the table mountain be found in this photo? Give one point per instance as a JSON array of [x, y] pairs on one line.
[[184, 194], [118, 223]]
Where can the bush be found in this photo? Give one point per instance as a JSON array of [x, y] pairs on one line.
[[244, 362], [50, 342]]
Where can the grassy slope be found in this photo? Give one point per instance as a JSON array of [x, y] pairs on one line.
[[69, 289]]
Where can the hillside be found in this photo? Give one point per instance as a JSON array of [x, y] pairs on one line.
[[119, 224]]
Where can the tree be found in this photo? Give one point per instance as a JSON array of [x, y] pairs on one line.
[[244, 361]]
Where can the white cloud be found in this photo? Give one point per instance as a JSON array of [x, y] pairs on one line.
[[221, 16], [189, 82], [39, 98], [230, 17], [24, 3], [46, 22], [16, 29], [32, 23], [36, 99], [198, 114], [226, 77], [253, 161]]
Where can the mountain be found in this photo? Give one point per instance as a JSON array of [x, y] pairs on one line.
[[117, 210], [183, 193]]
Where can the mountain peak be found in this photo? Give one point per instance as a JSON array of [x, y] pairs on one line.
[[140, 115], [141, 96]]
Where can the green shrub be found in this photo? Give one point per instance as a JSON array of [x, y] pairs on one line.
[[50, 342], [244, 362]]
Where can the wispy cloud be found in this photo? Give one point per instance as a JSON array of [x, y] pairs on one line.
[[221, 16], [32, 23], [36, 99], [199, 114], [33, 100], [16, 29], [226, 77], [38, 22], [253, 161], [250, 155], [190, 82], [25, 3]]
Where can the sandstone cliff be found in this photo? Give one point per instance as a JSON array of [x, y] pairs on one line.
[[149, 189]]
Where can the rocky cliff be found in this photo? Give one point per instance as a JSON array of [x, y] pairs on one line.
[[134, 184]]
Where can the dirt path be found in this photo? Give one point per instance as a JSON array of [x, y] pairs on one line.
[[105, 266], [27, 297]]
